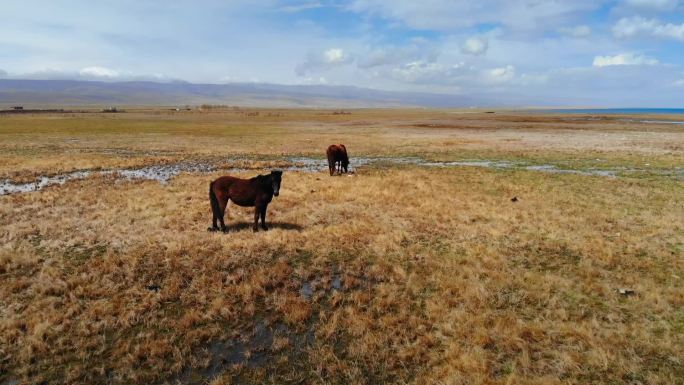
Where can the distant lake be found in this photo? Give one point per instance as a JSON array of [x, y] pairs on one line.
[[615, 111]]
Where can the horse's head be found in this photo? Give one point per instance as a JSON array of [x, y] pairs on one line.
[[345, 164], [276, 177]]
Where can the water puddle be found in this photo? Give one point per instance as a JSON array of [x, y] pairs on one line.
[[653, 121], [252, 349], [324, 284], [159, 173], [263, 344], [474, 163], [306, 291], [609, 119], [7, 187], [164, 173], [556, 170]]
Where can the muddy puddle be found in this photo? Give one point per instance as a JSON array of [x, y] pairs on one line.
[[254, 348], [164, 173], [159, 173], [320, 284], [261, 345]]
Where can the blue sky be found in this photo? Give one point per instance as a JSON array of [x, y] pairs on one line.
[[581, 52]]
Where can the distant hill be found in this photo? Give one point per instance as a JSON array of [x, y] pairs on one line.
[[78, 92]]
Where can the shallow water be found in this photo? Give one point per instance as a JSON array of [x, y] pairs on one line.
[[613, 111], [253, 349], [309, 287], [554, 169], [160, 173], [660, 121], [474, 163], [7, 187], [164, 173]]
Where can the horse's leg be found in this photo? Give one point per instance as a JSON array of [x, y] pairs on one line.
[[263, 218], [214, 224], [257, 210], [214, 208], [223, 203]]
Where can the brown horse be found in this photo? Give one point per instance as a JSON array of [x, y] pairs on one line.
[[337, 154], [256, 192]]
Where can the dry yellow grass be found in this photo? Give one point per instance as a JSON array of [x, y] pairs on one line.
[[394, 275], [51, 143]]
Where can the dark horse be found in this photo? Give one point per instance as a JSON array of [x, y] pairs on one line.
[[337, 154], [256, 192]]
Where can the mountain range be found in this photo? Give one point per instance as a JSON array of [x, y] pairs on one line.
[[55, 93]]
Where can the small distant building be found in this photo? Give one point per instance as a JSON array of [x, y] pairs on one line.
[[18, 108]]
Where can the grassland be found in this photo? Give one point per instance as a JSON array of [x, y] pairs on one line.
[[397, 274]]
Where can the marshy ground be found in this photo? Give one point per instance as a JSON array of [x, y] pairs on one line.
[[424, 272]]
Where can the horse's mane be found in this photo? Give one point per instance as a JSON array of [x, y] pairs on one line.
[[262, 178]]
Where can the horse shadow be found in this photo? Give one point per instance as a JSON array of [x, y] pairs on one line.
[[241, 226]]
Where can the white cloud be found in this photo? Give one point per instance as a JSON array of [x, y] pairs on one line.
[[429, 73], [501, 75], [417, 50], [577, 31], [334, 56], [99, 72], [475, 46], [321, 80], [679, 83], [460, 74], [536, 79], [623, 59], [660, 5], [3, 73], [638, 26], [323, 61], [386, 56]]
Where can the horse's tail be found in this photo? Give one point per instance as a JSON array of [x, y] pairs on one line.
[[214, 202]]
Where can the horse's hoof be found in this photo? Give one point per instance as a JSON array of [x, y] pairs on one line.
[[211, 229], [255, 229], [265, 228]]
